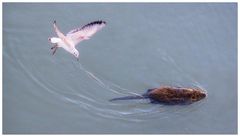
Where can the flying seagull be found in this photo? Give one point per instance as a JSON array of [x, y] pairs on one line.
[[74, 37]]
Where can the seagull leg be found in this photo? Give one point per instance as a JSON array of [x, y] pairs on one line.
[[54, 46], [54, 51]]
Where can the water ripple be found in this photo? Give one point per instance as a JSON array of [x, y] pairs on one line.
[[134, 112]]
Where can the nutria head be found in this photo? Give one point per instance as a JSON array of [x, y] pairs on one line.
[[197, 94]]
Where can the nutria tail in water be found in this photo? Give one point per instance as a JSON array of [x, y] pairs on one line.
[[129, 98]]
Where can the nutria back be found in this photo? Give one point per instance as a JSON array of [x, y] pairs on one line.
[[175, 95]]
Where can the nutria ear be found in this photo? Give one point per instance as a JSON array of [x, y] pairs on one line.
[[149, 90]]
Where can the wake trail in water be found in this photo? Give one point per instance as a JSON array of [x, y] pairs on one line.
[[195, 83], [146, 114], [106, 86]]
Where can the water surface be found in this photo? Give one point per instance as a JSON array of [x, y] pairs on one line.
[[143, 46]]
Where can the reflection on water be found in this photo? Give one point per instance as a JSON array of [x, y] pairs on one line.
[[143, 46]]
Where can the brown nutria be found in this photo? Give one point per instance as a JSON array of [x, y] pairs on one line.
[[170, 95]]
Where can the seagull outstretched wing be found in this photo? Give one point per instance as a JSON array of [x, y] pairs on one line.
[[85, 32], [61, 35], [58, 32]]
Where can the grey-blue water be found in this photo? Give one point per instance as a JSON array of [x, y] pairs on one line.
[[143, 46]]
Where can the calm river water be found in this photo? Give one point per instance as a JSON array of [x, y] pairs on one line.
[[143, 46]]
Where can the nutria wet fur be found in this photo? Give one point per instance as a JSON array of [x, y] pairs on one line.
[[170, 95]]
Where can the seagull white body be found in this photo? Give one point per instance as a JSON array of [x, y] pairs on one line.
[[74, 37]]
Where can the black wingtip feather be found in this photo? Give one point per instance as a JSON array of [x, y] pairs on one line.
[[89, 24], [94, 22], [104, 22]]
